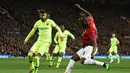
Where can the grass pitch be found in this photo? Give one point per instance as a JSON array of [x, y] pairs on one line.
[[21, 65]]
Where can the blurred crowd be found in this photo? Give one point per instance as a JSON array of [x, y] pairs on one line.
[[21, 16]]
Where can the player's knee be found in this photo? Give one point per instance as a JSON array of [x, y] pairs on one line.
[[116, 53], [37, 58], [75, 57], [30, 54], [53, 54], [38, 54], [36, 67], [61, 54], [110, 53], [82, 60]]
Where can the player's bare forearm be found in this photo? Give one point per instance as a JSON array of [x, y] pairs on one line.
[[72, 44], [94, 47], [77, 5]]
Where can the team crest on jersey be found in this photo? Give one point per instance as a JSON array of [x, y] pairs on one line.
[[47, 24], [65, 34], [94, 36]]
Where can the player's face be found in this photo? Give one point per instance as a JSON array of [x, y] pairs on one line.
[[43, 16], [87, 21], [84, 22], [113, 35], [62, 27]]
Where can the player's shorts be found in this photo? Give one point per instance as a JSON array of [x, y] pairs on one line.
[[86, 52], [47, 50], [59, 49], [40, 47], [113, 49]]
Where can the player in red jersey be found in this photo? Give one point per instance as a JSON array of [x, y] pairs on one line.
[[89, 41]]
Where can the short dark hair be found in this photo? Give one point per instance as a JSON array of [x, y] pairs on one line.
[[82, 14], [62, 25], [42, 11]]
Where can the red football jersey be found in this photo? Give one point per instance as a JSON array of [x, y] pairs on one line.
[[90, 33]]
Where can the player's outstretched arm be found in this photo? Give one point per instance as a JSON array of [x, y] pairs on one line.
[[87, 12], [29, 35]]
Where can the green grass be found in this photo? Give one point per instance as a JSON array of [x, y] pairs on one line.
[[14, 65]]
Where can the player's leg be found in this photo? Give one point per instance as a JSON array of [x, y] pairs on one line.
[[40, 52], [47, 54], [37, 62], [55, 51], [72, 61], [118, 59], [31, 61], [86, 58], [94, 62], [76, 57], [117, 55], [52, 59], [31, 55], [60, 56], [110, 54]]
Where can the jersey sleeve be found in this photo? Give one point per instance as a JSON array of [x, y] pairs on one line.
[[53, 24], [35, 25], [56, 38], [71, 35], [110, 41], [31, 32], [93, 35]]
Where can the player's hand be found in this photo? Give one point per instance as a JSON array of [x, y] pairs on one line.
[[92, 57], [77, 5], [57, 43], [25, 41], [61, 38]]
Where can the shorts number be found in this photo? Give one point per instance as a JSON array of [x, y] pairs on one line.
[[83, 52]]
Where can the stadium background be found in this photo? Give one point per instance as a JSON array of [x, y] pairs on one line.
[[109, 16]]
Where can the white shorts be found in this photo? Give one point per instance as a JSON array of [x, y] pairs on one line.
[[86, 52]]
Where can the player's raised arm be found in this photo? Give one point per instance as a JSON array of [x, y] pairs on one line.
[[87, 12], [30, 34]]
